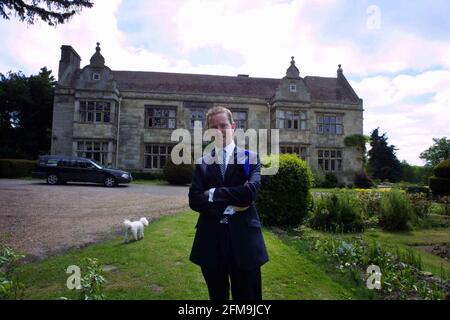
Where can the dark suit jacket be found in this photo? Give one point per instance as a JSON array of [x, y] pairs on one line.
[[237, 189]]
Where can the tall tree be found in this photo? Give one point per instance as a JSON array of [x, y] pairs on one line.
[[26, 107], [50, 11], [408, 172], [383, 162], [437, 153]]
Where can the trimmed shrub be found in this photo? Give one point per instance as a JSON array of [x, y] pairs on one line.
[[442, 170], [362, 181], [439, 186], [331, 180], [147, 175], [339, 211], [16, 168], [396, 211], [440, 182], [180, 174], [284, 198]]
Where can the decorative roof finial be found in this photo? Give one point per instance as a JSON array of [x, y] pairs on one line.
[[97, 59], [292, 71], [340, 72]]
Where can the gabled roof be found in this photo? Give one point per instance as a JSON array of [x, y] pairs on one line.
[[195, 83], [326, 89], [321, 88]]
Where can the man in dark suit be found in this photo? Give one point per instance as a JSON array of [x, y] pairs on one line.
[[228, 244]]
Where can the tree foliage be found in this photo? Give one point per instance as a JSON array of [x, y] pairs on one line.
[[52, 12], [437, 153], [358, 141], [26, 108], [383, 163]]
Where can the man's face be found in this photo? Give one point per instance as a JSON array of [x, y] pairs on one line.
[[221, 122]]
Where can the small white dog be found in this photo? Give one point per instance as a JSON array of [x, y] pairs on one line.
[[135, 227]]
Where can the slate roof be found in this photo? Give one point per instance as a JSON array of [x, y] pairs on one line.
[[321, 88]]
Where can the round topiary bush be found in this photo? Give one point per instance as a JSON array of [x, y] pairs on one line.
[[440, 182], [284, 198], [180, 174], [442, 170], [439, 186]]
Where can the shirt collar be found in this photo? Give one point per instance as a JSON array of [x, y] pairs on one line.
[[229, 149]]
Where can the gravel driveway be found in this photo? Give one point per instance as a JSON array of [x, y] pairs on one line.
[[42, 220]]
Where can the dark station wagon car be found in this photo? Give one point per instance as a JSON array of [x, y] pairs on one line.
[[62, 169]]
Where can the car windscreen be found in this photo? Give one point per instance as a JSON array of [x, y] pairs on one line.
[[96, 164], [84, 164]]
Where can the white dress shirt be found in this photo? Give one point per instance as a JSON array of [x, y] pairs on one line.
[[229, 149]]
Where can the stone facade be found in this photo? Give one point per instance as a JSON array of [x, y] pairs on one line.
[[126, 118]]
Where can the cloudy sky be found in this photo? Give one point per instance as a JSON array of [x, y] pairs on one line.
[[396, 54]]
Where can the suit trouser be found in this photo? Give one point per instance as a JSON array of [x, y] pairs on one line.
[[245, 284]]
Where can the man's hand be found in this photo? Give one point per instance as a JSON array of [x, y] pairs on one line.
[[236, 208]]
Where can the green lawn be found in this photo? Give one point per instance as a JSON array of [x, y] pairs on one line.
[[158, 268]]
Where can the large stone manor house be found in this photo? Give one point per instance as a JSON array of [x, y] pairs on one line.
[[125, 118]]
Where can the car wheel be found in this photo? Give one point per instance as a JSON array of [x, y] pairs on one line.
[[110, 181], [52, 179]]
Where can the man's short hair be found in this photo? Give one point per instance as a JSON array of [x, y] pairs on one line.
[[219, 109]]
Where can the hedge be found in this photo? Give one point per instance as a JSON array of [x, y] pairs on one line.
[[16, 168], [180, 174], [442, 170], [440, 182], [139, 175], [439, 186]]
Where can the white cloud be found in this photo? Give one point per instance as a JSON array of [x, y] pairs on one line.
[[382, 90], [35, 46], [265, 34], [389, 104]]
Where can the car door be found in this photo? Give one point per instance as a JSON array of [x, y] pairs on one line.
[[98, 174], [67, 170], [88, 172]]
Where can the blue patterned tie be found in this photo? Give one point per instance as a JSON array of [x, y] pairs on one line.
[[223, 166]]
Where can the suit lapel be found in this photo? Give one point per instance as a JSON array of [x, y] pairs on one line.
[[214, 169]]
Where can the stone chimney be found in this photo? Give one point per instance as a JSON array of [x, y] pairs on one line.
[[68, 65]]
